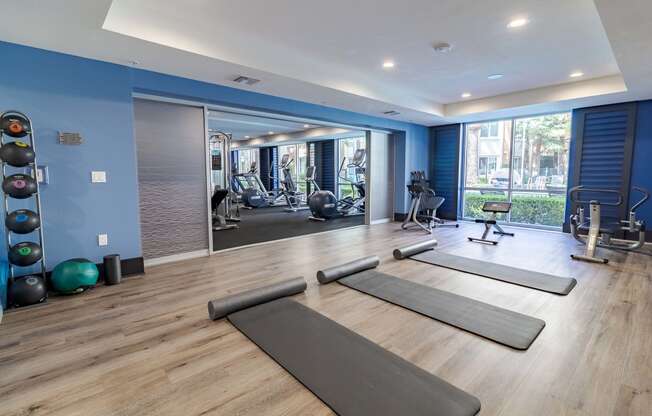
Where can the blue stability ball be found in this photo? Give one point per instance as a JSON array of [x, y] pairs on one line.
[[74, 276]]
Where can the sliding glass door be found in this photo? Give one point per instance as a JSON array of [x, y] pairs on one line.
[[523, 160]]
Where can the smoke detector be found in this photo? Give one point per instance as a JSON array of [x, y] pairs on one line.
[[246, 80], [442, 47]]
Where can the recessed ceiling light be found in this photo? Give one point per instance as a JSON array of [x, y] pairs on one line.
[[388, 64], [466, 95], [306, 126], [270, 132], [577, 74], [495, 76], [518, 23], [247, 137]]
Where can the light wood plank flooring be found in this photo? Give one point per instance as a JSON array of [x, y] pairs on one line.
[[146, 347]]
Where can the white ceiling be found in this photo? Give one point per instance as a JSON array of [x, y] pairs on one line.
[[331, 52], [241, 125]]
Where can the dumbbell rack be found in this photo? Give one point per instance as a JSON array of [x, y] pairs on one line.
[[37, 196]]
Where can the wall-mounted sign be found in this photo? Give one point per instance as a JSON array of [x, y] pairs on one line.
[[70, 138]]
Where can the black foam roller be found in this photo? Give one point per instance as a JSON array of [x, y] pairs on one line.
[[405, 252], [337, 272], [219, 308]]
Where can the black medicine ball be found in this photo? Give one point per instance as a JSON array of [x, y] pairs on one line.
[[19, 186], [22, 221], [17, 154], [27, 290]]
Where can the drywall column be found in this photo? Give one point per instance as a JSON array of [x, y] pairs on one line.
[[171, 179], [380, 177]]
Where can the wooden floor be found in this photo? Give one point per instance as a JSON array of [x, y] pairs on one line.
[[146, 347]]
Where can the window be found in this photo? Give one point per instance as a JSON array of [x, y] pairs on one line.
[[522, 160], [346, 148], [245, 158], [302, 166]]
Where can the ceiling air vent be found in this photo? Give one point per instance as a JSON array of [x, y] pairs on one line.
[[246, 80], [391, 113]]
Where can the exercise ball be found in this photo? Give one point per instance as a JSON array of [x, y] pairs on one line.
[[25, 253], [17, 154], [19, 186], [323, 204], [15, 125], [27, 290], [74, 276], [22, 221]]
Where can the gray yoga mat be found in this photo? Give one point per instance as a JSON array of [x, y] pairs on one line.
[[497, 324], [349, 373], [527, 278]]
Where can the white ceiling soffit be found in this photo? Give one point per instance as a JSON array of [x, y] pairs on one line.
[[244, 127], [330, 53]]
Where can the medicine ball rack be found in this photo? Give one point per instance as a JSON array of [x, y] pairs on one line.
[[17, 126]]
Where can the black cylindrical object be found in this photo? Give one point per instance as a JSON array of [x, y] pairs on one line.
[[112, 269]]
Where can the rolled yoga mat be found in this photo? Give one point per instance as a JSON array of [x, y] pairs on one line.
[[528, 278], [220, 308], [404, 252], [349, 373], [506, 327]]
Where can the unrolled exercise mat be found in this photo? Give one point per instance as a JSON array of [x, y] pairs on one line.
[[349, 373], [501, 325], [425, 253]]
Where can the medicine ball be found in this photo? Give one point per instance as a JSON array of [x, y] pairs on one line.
[[25, 253], [22, 221], [14, 125], [253, 198], [74, 276], [19, 186], [17, 154], [27, 290], [323, 204]]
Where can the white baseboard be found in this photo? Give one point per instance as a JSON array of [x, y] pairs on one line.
[[381, 221], [176, 257]]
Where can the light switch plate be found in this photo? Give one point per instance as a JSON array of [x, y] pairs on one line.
[[98, 177], [102, 240]]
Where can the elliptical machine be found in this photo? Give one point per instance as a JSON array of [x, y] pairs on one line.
[[424, 205], [324, 205], [601, 230], [289, 191]]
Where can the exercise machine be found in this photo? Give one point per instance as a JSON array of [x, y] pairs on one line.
[[324, 205], [601, 231], [493, 208], [424, 205], [223, 194], [219, 220], [289, 191]]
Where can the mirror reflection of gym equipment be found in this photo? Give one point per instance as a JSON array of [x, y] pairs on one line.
[[272, 179]]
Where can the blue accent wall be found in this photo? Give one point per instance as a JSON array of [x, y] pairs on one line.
[[67, 93], [70, 94]]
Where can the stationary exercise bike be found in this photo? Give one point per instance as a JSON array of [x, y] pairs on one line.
[[601, 230], [424, 205], [493, 208]]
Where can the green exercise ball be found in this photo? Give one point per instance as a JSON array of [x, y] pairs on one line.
[[74, 276]]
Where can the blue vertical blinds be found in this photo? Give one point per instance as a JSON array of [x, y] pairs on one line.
[[603, 154], [444, 175]]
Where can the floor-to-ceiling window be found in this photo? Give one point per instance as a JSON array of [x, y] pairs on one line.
[[346, 148], [247, 157], [522, 160]]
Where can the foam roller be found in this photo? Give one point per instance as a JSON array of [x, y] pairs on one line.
[[405, 252], [219, 308], [337, 272]]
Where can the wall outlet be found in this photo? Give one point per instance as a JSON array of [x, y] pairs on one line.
[[102, 240], [98, 177]]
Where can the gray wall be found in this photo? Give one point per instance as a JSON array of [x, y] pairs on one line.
[[171, 154], [380, 178]]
